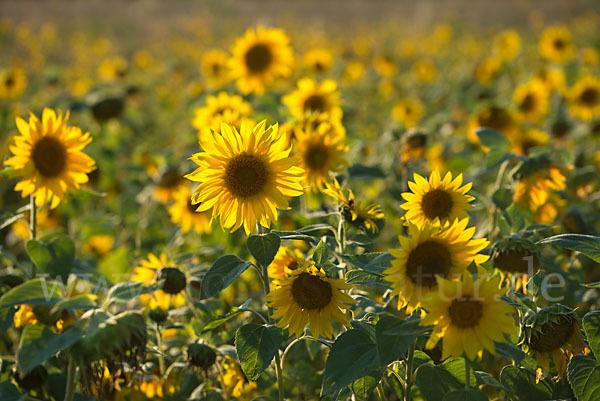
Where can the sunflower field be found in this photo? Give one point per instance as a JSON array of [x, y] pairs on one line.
[[275, 207]]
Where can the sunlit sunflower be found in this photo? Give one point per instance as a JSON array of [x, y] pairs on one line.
[[321, 149], [436, 201], [113, 68], [12, 83], [236, 383], [99, 244], [354, 71], [507, 45], [553, 77], [468, 317], [532, 100], [497, 118], [424, 70], [428, 252], [48, 156], [34, 314], [246, 176], [408, 111], [147, 273], [584, 98], [517, 260], [286, 261], [590, 56], [556, 44], [554, 330], [167, 184], [354, 211], [260, 57], [46, 219], [215, 68], [318, 60], [313, 97], [307, 295], [529, 139], [535, 189], [487, 70], [385, 66], [184, 214], [412, 146], [222, 108]]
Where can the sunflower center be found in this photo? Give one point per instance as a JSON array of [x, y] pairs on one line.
[[49, 156], [528, 103], [170, 179], [589, 96], [215, 68], [552, 335], [314, 103], [437, 203], [417, 141], [427, 261], [246, 175], [310, 292], [293, 265], [559, 44], [258, 58], [465, 312], [10, 82], [516, 261], [316, 156], [191, 207]]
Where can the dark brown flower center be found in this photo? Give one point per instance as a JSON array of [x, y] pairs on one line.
[[170, 179], [528, 103], [258, 58], [246, 175], [293, 265], [560, 44], [437, 203], [191, 207], [426, 261], [49, 156], [560, 129], [9, 82], [417, 141], [516, 261], [552, 335], [589, 96], [310, 292], [496, 118], [315, 103], [465, 312], [316, 156]]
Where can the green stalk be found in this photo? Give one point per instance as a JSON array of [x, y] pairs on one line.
[[33, 226], [467, 373], [409, 375], [71, 372]]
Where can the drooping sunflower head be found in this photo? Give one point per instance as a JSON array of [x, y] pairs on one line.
[[554, 330], [222, 108], [260, 57], [12, 83], [584, 98], [321, 148], [408, 112], [428, 252], [155, 268], [286, 261], [215, 67], [48, 156], [468, 316], [556, 44], [318, 60], [246, 176], [436, 201], [517, 259], [532, 99], [354, 211], [184, 214], [313, 97], [308, 296]]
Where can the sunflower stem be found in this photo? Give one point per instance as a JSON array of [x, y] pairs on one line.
[[161, 356], [467, 373], [409, 374], [71, 372], [33, 226], [380, 392]]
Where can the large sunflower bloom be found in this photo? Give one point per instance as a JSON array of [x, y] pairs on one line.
[[146, 273], [184, 214], [468, 317], [309, 296], [245, 177], [428, 252], [436, 201], [584, 98], [260, 57], [312, 97], [556, 44], [48, 156]]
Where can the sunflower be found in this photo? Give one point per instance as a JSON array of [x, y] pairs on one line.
[[312, 97], [532, 100], [553, 330], [184, 214], [424, 70], [507, 45], [48, 156], [113, 68], [412, 146], [385, 66], [147, 272], [46, 219], [167, 184], [497, 118], [246, 176], [354, 71], [286, 261], [307, 295], [99, 244], [260, 57], [553, 77], [487, 70], [531, 138], [408, 111], [584, 98], [428, 252], [556, 44], [318, 60], [215, 68], [468, 316], [236, 383], [436, 201], [517, 260], [320, 149], [534, 190], [12, 83], [222, 108]]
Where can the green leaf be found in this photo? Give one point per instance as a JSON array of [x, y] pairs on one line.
[[503, 198], [588, 245], [375, 262], [352, 356], [435, 381], [485, 379], [263, 247], [536, 285], [465, 395], [361, 277], [591, 325], [394, 336], [513, 353], [80, 302], [54, 256], [129, 290], [256, 346], [492, 139], [221, 274], [321, 254], [584, 376], [9, 392], [364, 386], [522, 383], [216, 321], [38, 344], [38, 291]]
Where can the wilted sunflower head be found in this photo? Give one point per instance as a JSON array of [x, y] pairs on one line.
[[517, 258]]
